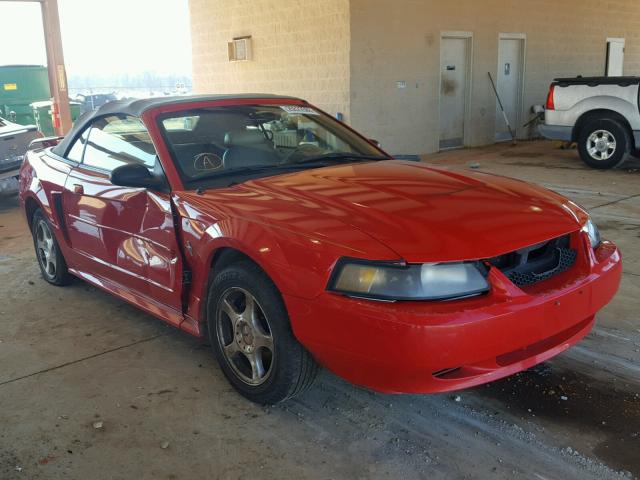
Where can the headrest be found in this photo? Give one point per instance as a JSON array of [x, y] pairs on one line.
[[244, 138]]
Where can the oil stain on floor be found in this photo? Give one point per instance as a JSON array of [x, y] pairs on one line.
[[606, 410]]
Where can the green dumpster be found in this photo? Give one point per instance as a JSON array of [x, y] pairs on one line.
[[41, 112], [21, 85]]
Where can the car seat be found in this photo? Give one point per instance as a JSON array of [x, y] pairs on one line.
[[247, 148]]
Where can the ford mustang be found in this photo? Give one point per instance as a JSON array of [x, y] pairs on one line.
[[288, 241]]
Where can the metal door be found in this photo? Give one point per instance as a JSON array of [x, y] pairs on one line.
[[454, 78], [509, 85], [615, 57]]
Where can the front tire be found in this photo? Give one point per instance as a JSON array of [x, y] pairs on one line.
[[604, 143], [251, 336], [50, 260]]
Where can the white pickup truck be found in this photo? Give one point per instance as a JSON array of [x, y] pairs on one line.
[[14, 141], [600, 114]]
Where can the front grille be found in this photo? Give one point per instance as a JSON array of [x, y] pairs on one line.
[[535, 264]]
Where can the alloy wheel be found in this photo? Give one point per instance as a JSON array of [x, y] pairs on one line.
[[601, 145], [245, 337], [46, 248]]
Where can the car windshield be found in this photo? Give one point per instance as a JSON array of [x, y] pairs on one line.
[[220, 146]]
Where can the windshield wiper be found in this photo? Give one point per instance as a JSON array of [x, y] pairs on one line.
[[340, 156]]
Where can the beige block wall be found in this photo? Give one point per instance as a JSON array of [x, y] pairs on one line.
[[400, 41], [301, 48]]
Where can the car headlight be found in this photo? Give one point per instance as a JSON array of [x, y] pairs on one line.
[[594, 234], [389, 281]]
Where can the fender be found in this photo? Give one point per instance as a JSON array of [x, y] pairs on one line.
[[627, 109], [46, 195], [267, 248], [297, 263], [202, 243]]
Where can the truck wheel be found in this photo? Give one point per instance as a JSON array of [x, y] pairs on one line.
[[50, 260], [251, 336], [604, 143]]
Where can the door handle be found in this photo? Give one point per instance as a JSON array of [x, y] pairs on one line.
[[77, 188]]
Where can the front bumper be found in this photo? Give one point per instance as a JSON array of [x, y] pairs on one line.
[[427, 347]]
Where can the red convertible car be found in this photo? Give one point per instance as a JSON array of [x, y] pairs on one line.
[[291, 241]]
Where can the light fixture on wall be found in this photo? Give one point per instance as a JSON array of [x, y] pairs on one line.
[[240, 49]]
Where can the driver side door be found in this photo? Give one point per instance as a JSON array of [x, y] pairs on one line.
[[123, 238]]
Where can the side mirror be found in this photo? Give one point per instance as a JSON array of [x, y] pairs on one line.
[[136, 175], [375, 142]]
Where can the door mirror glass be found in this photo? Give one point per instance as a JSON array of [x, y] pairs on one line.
[[135, 175]]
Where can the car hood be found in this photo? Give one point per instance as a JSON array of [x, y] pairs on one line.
[[424, 214]]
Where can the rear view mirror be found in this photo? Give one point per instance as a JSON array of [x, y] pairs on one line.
[[375, 142], [136, 175]]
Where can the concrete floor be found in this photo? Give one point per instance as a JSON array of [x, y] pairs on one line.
[[71, 357]]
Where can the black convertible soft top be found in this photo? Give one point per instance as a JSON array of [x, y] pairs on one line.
[[137, 107]]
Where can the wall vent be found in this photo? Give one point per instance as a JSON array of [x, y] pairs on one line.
[[240, 49]]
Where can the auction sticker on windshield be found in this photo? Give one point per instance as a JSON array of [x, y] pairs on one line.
[[297, 109]]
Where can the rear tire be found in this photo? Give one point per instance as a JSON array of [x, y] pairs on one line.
[[604, 143], [251, 336], [50, 260]]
